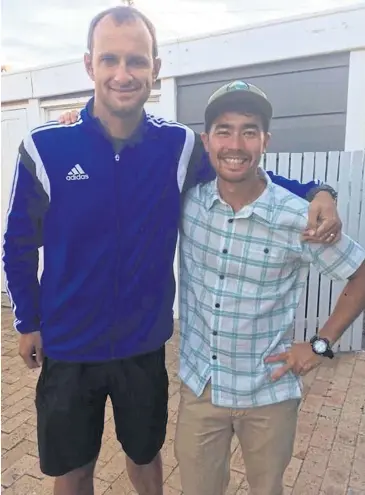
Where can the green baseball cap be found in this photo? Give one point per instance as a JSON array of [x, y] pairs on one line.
[[238, 93]]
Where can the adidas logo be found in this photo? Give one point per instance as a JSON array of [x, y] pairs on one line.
[[76, 173]]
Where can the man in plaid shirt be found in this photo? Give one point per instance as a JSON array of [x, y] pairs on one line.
[[243, 268]]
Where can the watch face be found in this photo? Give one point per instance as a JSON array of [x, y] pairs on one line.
[[319, 346]]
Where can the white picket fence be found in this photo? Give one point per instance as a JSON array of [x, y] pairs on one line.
[[345, 172]]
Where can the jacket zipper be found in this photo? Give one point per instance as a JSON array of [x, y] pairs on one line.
[[116, 284]]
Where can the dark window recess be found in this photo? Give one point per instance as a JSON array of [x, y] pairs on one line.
[[157, 84]]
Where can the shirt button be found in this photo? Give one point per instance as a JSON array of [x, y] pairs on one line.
[[214, 357], [230, 220], [225, 251], [266, 250], [215, 332], [221, 277], [217, 305]]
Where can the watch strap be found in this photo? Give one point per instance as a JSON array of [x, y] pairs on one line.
[[321, 187]]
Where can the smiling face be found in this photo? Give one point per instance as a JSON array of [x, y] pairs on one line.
[[235, 143], [122, 65]]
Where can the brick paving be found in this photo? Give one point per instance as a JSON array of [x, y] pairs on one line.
[[329, 454]]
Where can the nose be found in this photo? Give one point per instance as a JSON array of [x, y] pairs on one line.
[[122, 75], [236, 142]]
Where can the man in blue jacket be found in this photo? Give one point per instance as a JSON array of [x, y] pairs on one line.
[[103, 197]]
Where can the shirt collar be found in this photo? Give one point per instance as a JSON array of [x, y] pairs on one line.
[[263, 206], [95, 124]]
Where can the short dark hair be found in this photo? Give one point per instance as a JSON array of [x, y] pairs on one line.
[[121, 15], [240, 107]]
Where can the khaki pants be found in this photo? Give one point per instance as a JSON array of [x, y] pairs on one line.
[[203, 444]]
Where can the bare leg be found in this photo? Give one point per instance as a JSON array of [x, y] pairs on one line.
[[146, 479], [77, 482]]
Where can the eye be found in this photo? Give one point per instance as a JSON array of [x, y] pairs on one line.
[[138, 62], [109, 59], [250, 133], [222, 133]]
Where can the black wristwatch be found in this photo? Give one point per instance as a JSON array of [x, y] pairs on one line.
[[321, 346], [322, 187]]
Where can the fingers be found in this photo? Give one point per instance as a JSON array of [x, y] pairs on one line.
[[329, 230], [283, 356], [312, 223], [68, 118], [64, 118], [29, 358], [74, 116], [278, 373], [39, 356], [325, 234]]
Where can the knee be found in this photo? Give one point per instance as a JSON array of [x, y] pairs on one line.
[[81, 474], [142, 460]]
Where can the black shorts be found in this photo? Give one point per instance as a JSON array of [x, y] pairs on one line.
[[70, 401]]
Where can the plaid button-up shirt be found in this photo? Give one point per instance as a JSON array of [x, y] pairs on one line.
[[242, 276]]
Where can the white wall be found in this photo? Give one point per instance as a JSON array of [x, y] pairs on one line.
[[355, 121]]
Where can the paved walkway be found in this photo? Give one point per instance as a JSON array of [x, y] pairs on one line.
[[329, 455]]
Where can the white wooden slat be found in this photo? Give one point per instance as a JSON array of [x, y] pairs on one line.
[[308, 167], [271, 162], [361, 237], [355, 183], [332, 169], [357, 329], [296, 166], [354, 227], [324, 282], [313, 279], [284, 164], [299, 326], [320, 166], [300, 322], [343, 208]]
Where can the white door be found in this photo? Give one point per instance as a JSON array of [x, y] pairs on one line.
[[14, 126]]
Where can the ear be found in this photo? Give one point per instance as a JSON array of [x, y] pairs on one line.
[[205, 139], [156, 68], [88, 65], [267, 140]]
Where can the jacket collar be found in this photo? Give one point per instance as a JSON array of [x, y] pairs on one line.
[[94, 124]]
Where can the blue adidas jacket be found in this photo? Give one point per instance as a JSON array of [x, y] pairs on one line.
[[108, 222]]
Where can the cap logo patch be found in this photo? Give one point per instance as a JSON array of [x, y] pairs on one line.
[[234, 86]]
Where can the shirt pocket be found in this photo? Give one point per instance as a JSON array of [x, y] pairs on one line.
[[263, 268]]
